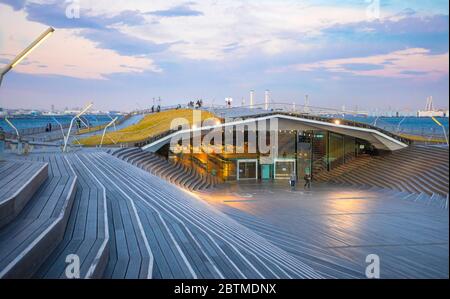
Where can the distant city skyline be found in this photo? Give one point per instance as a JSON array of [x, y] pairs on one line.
[[122, 54]]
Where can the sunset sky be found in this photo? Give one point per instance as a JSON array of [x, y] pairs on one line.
[[122, 53]]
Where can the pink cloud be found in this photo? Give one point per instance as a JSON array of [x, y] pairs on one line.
[[65, 53], [408, 63]]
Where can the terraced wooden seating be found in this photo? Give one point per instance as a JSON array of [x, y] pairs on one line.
[[172, 235], [328, 265], [175, 173], [29, 238], [322, 226], [87, 232], [124, 222], [417, 169], [19, 180]]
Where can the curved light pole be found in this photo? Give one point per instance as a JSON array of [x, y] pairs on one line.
[[21, 57], [19, 144], [12, 126], [84, 123], [443, 128], [61, 127], [109, 115], [26, 52], [71, 124], [400, 123], [112, 122]]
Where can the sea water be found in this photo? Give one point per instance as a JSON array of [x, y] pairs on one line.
[[422, 126], [41, 121]]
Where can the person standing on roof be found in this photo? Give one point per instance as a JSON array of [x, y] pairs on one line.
[[2, 142], [293, 181], [307, 179]]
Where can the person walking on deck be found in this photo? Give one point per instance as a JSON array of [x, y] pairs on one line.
[[2, 143], [292, 181], [307, 179]]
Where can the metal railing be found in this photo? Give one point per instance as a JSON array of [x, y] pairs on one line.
[[322, 114]]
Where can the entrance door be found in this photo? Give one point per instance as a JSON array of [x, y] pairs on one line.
[[265, 172], [284, 168], [247, 169]]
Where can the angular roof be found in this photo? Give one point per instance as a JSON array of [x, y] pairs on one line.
[[379, 138]]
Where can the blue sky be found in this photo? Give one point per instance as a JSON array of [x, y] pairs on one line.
[[120, 54]]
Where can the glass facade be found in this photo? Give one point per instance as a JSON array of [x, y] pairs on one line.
[[304, 153], [247, 169], [284, 168], [335, 150], [287, 144], [350, 148], [319, 144], [301, 152]]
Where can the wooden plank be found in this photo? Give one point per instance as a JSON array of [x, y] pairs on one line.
[[31, 237]]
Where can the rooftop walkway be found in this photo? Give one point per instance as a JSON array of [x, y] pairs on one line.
[[18, 181], [176, 173], [87, 232], [29, 238], [121, 221], [333, 228], [416, 169], [178, 236]]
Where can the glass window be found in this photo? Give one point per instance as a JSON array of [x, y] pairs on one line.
[[284, 169], [336, 150], [247, 170]]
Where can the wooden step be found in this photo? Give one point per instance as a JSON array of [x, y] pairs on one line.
[[27, 241], [19, 181]]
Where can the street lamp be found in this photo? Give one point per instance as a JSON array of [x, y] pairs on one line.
[[112, 122], [443, 128], [19, 144], [25, 52], [71, 123], [115, 129], [61, 127]]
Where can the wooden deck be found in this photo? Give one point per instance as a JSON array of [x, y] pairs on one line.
[[123, 222], [166, 233], [340, 226], [418, 169], [18, 182], [127, 223], [176, 173], [87, 232], [27, 240]]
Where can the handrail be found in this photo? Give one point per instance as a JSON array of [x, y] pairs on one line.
[[102, 126]]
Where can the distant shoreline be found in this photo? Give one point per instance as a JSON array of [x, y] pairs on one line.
[[422, 126]]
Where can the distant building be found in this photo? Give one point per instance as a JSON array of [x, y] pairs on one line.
[[266, 100], [435, 113], [252, 98], [430, 111]]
